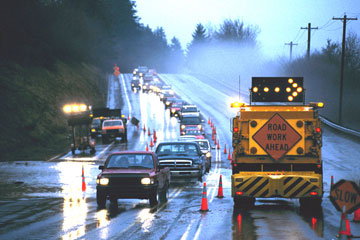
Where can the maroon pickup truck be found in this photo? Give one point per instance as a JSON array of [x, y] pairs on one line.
[[132, 174]]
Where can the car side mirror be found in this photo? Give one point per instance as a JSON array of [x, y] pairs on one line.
[[101, 167]]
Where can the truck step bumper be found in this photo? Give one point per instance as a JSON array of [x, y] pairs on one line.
[[268, 185]]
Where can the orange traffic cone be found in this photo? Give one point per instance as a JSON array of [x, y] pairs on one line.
[[211, 124], [155, 139], [151, 143], [204, 205], [83, 187], [225, 152], [138, 127], [154, 133], [128, 117], [220, 190], [344, 230], [218, 146], [209, 120], [147, 147], [149, 133], [144, 128], [215, 142], [214, 130], [357, 215], [229, 156], [213, 137]]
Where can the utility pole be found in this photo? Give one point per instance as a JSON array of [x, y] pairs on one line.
[[291, 45], [344, 20], [309, 35]]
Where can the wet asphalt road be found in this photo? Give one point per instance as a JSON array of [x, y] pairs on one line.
[[43, 200]]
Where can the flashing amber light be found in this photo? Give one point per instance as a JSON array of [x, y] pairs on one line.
[[294, 94], [266, 89], [313, 193], [320, 104], [295, 85], [318, 130], [237, 104], [277, 89], [239, 193], [291, 80], [67, 108], [290, 98], [255, 89], [299, 89], [236, 129], [288, 89]]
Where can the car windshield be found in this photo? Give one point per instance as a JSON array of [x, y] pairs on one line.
[[190, 120], [189, 109], [177, 149], [112, 123], [131, 161]]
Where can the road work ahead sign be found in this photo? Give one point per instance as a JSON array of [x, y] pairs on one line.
[[276, 137], [345, 193]]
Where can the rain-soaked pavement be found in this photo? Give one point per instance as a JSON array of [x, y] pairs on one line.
[[44, 200]]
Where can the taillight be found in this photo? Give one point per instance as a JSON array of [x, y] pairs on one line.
[[313, 193], [236, 129], [239, 193], [318, 130]]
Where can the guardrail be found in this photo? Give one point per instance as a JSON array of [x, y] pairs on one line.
[[340, 128]]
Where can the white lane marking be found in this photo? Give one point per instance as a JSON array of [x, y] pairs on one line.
[[54, 157], [102, 152], [185, 235], [198, 231], [126, 94], [174, 194]]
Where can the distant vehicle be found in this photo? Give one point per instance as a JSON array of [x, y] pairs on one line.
[[132, 174], [169, 101], [153, 72], [142, 70], [189, 110], [79, 120], [184, 159], [176, 107], [135, 71], [191, 121], [135, 83], [191, 131], [95, 127], [114, 128]]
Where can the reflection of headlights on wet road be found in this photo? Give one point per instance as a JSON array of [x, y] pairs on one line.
[[102, 181], [147, 181], [208, 154]]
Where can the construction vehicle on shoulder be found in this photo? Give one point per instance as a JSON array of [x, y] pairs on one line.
[[276, 142]]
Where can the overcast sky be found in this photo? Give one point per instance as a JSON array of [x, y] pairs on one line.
[[279, 21]]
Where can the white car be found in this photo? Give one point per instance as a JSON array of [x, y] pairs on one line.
[[189, 110]]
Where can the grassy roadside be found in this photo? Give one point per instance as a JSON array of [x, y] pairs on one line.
[[32, 124]]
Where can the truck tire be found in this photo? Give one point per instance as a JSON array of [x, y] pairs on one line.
[[153, 199], [113, 204], [100, 199], [73, 151]]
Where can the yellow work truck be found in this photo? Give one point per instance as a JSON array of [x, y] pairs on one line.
[[276, 142]]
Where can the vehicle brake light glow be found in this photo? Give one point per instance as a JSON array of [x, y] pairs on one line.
[[318, 130], [236, 129], [239, 193], [313, 193]]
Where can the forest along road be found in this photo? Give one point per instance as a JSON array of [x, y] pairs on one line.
[[44, 200]]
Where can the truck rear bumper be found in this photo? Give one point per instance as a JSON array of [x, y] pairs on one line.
[[275, 184]]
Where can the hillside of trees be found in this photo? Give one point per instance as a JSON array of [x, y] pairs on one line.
[[58, 51]]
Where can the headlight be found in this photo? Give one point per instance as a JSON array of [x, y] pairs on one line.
[[167, 103], [140, 74], [144, 87], [103, 181], [134, 72], [199, 127], [208, 154], [171, 92], [182, 126], [173, 110], [93, 130], [147, 181]]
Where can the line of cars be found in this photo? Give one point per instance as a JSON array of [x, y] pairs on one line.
[[146, 175]]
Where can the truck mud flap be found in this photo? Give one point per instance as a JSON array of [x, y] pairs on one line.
[[267, 186]]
